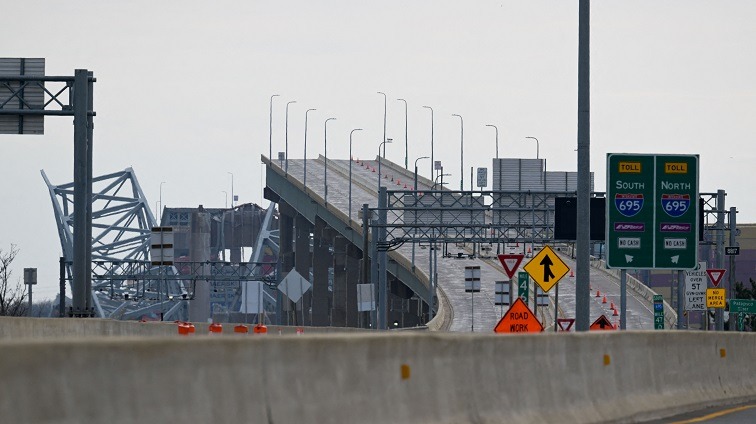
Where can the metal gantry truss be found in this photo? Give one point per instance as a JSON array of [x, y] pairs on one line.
[[468, 216], [487, 216]]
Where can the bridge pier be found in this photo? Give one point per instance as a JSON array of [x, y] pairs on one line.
[[303, 262], [345, 275], [286, 216], [322, 261]]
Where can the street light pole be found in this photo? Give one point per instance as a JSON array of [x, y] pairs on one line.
[[461, 152], [270, 133], [414, 230], [537, 146], [431, 158], [406, 144], [384, 126], [305, 150], [325, 159], [225, 199], [157, 213], [232, 188], [497, 138], [415, 186], [350, 170], [383, 143], [286, 149]]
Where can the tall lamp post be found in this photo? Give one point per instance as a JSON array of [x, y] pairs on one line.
[[538, 148], [431, 158], [325, 159], [232, 188], [422, 157], [270, 133], [384, 124], [537, 154], [350, 170], [383, 144], [157, 212], [414, 230], [497, 138], [461, 152], [406, 145], [305, 150], [286, 149]]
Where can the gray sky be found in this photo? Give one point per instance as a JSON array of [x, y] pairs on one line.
[[183, 88]]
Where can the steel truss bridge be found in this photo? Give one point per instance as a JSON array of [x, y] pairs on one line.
[[125, 285]]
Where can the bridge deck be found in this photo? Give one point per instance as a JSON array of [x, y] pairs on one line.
[[478, 311]]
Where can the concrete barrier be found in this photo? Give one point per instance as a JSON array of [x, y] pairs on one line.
[[408, 377], [50, 328]]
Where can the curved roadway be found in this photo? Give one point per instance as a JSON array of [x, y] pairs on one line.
[[470, 312]]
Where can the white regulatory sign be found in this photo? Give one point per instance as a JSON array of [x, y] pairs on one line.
[[675, 243], [629, 242], [695, 288]]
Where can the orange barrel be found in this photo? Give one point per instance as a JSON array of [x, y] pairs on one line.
[[215, 328], [241, 329], [260, 329], [183, 329]]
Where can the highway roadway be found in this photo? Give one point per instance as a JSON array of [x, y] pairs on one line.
[[470, 312]]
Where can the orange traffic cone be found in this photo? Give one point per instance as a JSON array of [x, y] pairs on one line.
[[572, 273], [603, 300], [598, 293], [615, 314], [374, 170], [611, 305]]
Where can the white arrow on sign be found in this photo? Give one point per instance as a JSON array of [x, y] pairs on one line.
[[628, 258], [675, 259]]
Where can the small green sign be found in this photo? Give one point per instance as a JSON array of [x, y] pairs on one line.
[[743, 305], [658, 312], [523, 286]]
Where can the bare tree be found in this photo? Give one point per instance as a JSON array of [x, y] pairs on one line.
[[12, 295]]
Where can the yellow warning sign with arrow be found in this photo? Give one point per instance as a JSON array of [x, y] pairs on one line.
[[546, 268]]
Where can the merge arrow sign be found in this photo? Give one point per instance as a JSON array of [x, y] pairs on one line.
[[546, 268], [511, 262]]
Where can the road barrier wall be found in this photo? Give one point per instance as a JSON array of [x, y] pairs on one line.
[[408, 377], [15, 328]]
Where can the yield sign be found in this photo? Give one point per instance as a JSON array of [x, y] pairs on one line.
[[511, 263], [565, 324], [602, 323], [518, 319], [715, 275], [546, 268]]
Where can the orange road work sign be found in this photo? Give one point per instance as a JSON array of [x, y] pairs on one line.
[[518, 319]]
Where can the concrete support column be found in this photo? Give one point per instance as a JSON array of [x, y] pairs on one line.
[[321, 262], [340, 279], [303, 262], [286, 216], [199, 307], [353, 261]]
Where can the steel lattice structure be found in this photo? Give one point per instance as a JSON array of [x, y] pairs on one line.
[[124, 283]]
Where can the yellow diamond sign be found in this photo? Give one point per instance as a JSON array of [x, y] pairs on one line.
[[546, 268]]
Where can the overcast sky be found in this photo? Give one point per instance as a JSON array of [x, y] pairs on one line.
[[183, 88]]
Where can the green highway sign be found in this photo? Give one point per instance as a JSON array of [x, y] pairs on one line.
[[651, 211], [743, 305], [523, 286], [658, 312]]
